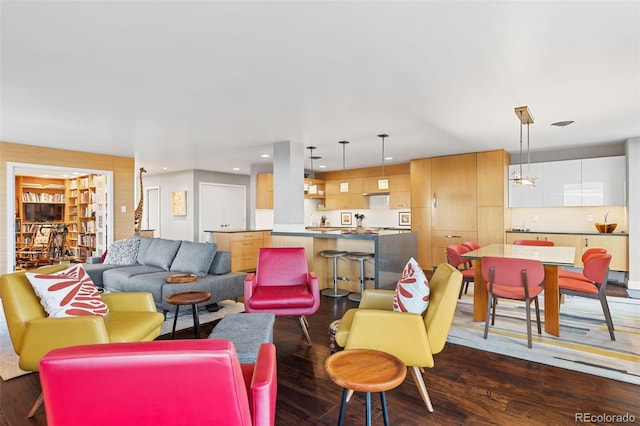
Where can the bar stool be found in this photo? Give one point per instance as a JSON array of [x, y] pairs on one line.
[[361, 257], [335, 292]]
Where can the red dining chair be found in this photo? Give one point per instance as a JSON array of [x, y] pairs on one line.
[[515, 279], [283, 285], [453, 258], [563, 273], [471, 245], [593, 284], [533, 243]]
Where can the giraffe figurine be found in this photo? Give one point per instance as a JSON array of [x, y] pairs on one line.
[[137, 218]]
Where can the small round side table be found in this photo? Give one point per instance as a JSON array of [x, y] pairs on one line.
[[188, 298], [365, 370]]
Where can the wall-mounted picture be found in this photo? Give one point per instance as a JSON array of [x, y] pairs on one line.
[[179, 203], [404, 219], [345, 218]]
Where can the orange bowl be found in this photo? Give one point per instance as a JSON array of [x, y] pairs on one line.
[[606, 228]]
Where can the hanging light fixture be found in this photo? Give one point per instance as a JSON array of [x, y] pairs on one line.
[[383, 183], [525, 117], [344, 185], [312, 188]]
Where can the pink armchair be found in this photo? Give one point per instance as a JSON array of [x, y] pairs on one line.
[[283, 285], [159, 382]]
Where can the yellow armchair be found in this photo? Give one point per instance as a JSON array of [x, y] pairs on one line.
[[132, 317], [410, 337]]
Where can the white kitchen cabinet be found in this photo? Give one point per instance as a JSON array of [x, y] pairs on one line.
[[604, 181], [562, 186], [570, 183]]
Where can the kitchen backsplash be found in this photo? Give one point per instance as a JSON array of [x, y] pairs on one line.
[[568, 219]]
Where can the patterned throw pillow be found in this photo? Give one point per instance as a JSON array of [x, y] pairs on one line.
[[123, 252], [412, 290], [68, 293]]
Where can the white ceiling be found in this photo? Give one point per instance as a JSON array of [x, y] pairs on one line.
[[211, 85]]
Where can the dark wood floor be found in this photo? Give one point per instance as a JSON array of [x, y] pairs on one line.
[[467, 387]]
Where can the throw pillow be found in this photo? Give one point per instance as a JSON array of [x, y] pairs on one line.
[[412, 290], [161, 253], [68, 293], [123, 252], [194, 258]]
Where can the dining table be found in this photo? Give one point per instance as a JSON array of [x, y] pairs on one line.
[[552, 258]]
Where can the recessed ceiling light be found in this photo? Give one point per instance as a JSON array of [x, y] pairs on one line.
[[165, 168], [265, 156], [388, 158], [563, 123], [236, 168], [322, 166]]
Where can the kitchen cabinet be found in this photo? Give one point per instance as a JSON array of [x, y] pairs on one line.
[[400, 192], [586, 182], [243, 247], [616, 244], [454, 198], [353, 199], [264, 191]]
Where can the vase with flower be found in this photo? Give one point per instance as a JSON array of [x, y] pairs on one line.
[[606, 228], [359, 219]]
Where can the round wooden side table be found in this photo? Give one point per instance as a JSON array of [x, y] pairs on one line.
[[188, 298], [365, 370]]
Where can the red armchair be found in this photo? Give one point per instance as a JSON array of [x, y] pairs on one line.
[[283, 285], [159, 382]]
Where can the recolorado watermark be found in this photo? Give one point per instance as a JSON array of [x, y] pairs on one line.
[[604, 418]]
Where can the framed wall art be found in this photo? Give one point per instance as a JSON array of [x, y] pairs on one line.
[[404, 218], [345, 218], [179, 203]]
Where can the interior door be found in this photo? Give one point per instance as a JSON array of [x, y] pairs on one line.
[[222, 207], [151, 216]]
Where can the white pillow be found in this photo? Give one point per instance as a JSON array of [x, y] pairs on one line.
[[68, 293], [412, 290]]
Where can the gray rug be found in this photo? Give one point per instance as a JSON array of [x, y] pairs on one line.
[[584, 344], [9, 360]]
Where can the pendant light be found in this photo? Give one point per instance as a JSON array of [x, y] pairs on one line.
[[525, 117], [383, 183], [344, 185], [312, 188]]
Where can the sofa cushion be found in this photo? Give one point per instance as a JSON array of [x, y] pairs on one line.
[[145, 243], [161, 253], [194, 258], [221, 263], [123, 252], [68, 293], [96, 270]]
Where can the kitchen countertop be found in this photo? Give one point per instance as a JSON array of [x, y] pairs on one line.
[[234, 231], [339, 233], [522, 231]]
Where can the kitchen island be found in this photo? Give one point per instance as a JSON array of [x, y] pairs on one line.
[[392, 250]]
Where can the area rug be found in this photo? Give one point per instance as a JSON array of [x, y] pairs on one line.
[[9, 360], [584, 344]]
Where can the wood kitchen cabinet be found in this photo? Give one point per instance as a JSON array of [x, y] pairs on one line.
[[353, 199], [264, 191], [243, 248], [454, 193]]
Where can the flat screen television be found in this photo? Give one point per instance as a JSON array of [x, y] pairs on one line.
[[42, 212]]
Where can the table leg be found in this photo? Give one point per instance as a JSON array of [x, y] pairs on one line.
[[196, 322], [343, 405], [175, 321], [480, 295], [385, 414], [551, 300], [368, 399]]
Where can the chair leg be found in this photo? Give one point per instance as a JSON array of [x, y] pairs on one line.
[[417, 378], [528, 304], [486, 321], [538, 315], [305, 328], [607, 315], [350, 393], [493, 311], [36, 405]]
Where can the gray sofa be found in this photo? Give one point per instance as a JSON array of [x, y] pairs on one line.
[[142, 264]]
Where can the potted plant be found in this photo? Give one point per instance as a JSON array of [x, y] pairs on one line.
[[359, 219]]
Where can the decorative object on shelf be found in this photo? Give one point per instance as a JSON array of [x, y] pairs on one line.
[[344, 185], [606, 228], [179, 203], [137, 217], [525, 117], [383, 183], [404, 218], [359, 219], [345, 218]]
